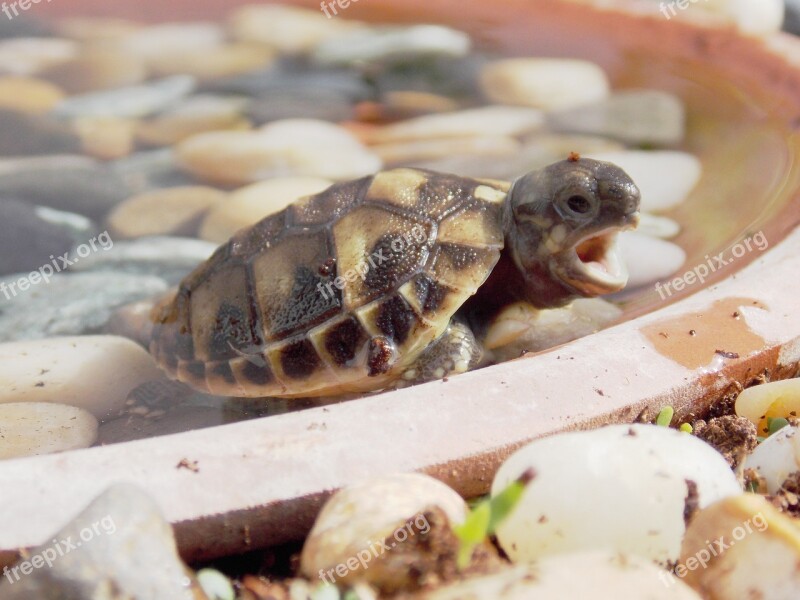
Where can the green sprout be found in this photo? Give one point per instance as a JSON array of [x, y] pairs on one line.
[[664, 418], [486, 516], [775, 425], [686, 428]]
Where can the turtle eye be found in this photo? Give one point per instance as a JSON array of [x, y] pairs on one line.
[[579, 205]]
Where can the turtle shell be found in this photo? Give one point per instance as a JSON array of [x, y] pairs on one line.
[[339, 292]]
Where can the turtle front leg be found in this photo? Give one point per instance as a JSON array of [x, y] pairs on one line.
[[455, 351]]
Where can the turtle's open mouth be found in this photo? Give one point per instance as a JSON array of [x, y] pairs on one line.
[[594, 265]]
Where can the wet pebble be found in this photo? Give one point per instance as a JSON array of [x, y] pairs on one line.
[[283, 148], [70, 304], [29, 95], [31, 135], [168, 258], [27, 240], [170, 211], [195, 115], [28, 56], [250, 204], [453, 77], [639, 117], [287, 29], [36, 428], [485, 121], [55, 370], [648, 169], [77, 185], [219, 61], [96, 70], [545, 83], [129, 537], [387, 44], [629, 489], [135, 101], [649, 259]]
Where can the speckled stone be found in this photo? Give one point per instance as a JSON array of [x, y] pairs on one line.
[[135, 101], [171, 211], [65, 183], [70, 304], [28, 94], [36, 428]]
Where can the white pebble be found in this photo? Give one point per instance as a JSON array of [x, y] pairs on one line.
[[658, 227], [367, 45], [420, 150], [34, 428], [281, 149], [777, 457], [649, 259], [486, 121], [621, 488], [589, 575], [665, 177], [28, 56], [95, 373], [546, 83], [173, 38]]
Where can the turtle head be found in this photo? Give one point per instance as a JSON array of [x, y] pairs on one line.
[[565, 220]]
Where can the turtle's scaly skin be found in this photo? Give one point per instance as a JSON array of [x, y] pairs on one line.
[[265, 317]]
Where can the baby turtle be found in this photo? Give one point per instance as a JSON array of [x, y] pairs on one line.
[[356, 288]]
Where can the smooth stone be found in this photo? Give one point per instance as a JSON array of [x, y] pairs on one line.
[[168, 258], [649, 259], [80, 186], [454, 77], [197, 114], [640, 117], [295, 147], [791, 23], [130, 102], [395, 153], [595, 575], [250, 204], [382, 44], [96, 70], [401, 105], [94, 373], [131, 553], [536, 153], [754, 17], [150, 170], [36, 428], [79, 226], [777, 400], [320, 104], [614, 478], [755, 553], [105, 138], [287, 29], [486, 121], [70, 304], [28, 56], [170, 211], [27, 240], [373, 510], [220, 61], [545, 83], [293, 78], [153, 42], [32, 135], [665, 178], [658, 227], [95, 30], [776, 458], [521, 327], [24, 26], [29, 95]]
